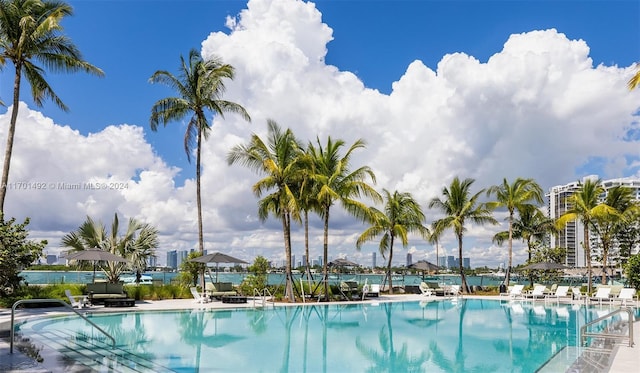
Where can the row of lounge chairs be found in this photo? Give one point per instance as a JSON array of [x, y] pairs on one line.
[[626, 296]]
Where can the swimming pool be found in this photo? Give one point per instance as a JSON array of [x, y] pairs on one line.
[[440, 336]]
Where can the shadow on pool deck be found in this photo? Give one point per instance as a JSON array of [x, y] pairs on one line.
[[626, 359]]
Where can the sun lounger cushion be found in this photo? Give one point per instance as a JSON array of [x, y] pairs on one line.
[[100, 291], [220, 289]]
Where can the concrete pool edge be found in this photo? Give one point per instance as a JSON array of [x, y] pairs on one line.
[[624, 360]]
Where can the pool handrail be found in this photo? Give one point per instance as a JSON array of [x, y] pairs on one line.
[[584, 334], [64, 304]]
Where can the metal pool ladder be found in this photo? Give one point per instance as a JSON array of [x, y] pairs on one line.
[[584, 334], [64, 304]]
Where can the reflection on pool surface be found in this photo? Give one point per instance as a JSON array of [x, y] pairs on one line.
[[440, 336]]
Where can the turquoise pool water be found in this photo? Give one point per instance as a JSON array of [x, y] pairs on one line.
[[467, 335]]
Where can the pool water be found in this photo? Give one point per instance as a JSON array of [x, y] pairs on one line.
[[466, 335]]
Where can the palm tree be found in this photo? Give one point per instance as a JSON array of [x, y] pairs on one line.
[[137, 244], [280, 160], [634, 82], [30, 32], [531, 226], [402, 215], [515, 197], [200, 86], [619, 198], [585, 206], [459, 206], [337, 182]]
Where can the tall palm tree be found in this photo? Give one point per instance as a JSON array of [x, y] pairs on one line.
[[337, 182], [521, 194], [459, 206], [200, 86], [402, 215], [619, 198], [279, 160], [138, 243], [307, 201], [585, 206], [31, 33], [531, 226]]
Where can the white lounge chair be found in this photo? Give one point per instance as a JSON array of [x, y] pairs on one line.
[[77, 301], [602, 294], [627, 295], [577, 294], [514, 293], [199, 298], [538, 292], [425, 289], [561, 292]]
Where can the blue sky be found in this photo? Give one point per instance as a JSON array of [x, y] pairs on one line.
[[439, 71]]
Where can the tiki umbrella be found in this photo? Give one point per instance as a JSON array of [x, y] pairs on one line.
[[341, 262], [424, 266], [95, 255], [217, 258]]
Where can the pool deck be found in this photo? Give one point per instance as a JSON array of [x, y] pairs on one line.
[[626, 359]]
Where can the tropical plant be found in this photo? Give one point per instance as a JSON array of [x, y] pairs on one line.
[[189, 270], [200, 86], [279, 160], [516, 196], [336, 182], [628, 235], [16, 253], [402, 215], [459, 206], [632, 271], [619, 198], [585, 206], [258, 277], [137, 244], [31, 33]]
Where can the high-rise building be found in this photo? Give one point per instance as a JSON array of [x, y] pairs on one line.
[[373, 259], [466, 263], [172, 259], [409, 259], [52, 259], [442, 262], [572, 236]]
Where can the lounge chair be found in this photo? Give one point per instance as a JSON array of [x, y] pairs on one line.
[[514, 293], [561, 292], [577, 294], [77, 301], [199, 298], [370, 290], [349, 289], [602, 294], [627, 295], [454, 290], [426, 290], [538, 292]]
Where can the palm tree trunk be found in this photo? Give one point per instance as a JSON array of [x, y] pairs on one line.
[[199, 204], [306, 244], [389, 265], [529, 260], [463, 280], [286, 229], [508, 276], [605, 252], [10, 134], [587, 255], [325, 253]]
